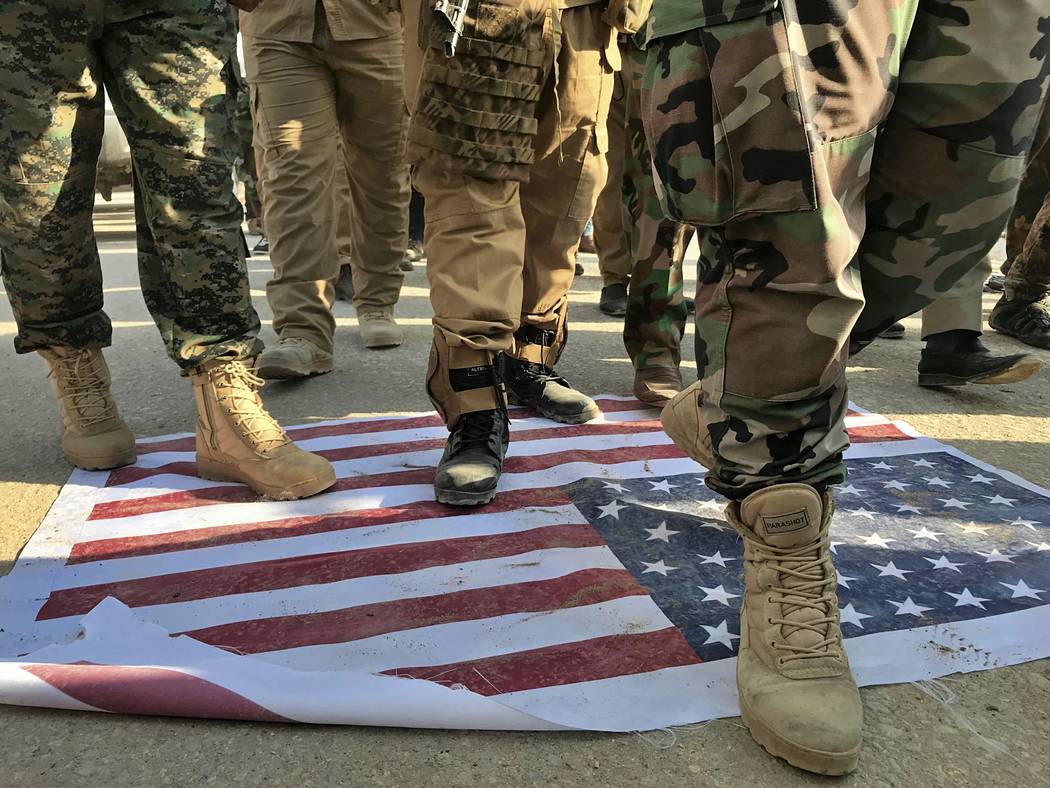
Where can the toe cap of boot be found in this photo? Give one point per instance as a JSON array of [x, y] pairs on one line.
[[109, 449]]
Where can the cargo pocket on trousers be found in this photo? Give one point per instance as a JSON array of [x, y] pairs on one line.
[[721, 112]]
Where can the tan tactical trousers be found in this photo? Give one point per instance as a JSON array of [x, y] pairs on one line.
[[610, 238], [500, 254], [310, 99]]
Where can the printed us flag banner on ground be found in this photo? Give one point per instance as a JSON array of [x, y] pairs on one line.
[[600, 590]]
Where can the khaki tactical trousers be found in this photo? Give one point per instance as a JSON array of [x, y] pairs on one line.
[[501, 247], [610, 236], [310, 100]]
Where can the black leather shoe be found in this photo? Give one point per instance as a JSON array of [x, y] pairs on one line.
[[1025, 321], [473, 459], [975, 366], [344, 286], [613, 301], [263, 247], [579, 269], [542, 389]]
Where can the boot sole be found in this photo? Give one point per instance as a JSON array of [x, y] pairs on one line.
[[104, 463], [220, 472], [460, 498], [1015, 373], [281, 372], [377, 344], [829, 763]]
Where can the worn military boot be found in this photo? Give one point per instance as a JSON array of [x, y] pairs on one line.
[[657, 386], [344, 284], [539, 387], [238, 441], [94, 437], [1023, 320], [473, 459], [613, 300], [379, 329], [294, 357], [797, 694], [681, 421]]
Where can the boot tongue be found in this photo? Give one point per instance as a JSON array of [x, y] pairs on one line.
[[788, 515]]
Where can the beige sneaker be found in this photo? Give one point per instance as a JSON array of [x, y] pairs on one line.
[[379, 329], [238, 441], [294, 357], [94, 437], [681, 421], [797, 695], [657, 386]]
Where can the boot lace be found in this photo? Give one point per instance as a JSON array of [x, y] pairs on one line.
[[236, 388], [88, 391], [805, 582]]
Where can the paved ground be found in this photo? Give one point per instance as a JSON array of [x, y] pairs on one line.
[[912, 739]]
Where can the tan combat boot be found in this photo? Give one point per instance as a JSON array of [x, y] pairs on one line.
[[681, 421], [378, 327], [238, 441], [657, 386], [294, 357], [797, 695], [94, 437]]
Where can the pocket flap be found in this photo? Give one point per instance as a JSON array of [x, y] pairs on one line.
[[670, 17]]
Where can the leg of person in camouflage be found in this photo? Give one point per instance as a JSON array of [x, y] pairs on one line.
[[161, 64], [764, 120], [610, 234], [507, 140], [1020, 312], [954, 354], [656, 310]]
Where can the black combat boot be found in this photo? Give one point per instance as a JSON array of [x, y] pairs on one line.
[[1026, 321], [344, 285], [473, 460], [613, 301], [539, 387]]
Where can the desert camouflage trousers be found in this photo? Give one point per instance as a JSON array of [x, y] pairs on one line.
[[1027, 266], [837, 152], [161, 65]]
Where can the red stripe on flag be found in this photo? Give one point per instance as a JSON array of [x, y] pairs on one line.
[[586, 587], [193, 538], [876, 433], [135, 690], [133, 474], [565, 663], [382, 425], [208, 496], [307, 570]]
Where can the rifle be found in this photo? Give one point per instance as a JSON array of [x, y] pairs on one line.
[[450, 16]]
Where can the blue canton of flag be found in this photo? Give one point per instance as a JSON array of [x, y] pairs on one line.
[[918, 540]]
